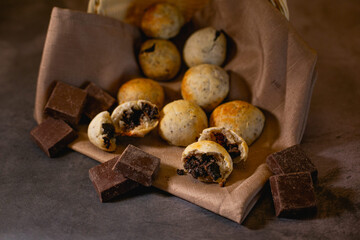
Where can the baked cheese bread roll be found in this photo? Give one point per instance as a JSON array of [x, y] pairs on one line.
[[159, 59], [162, 20], [141, 89], [181, 122], [242, 117], [206, 85], [207, 161], [206, 45]]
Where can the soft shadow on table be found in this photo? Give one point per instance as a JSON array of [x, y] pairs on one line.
[[263, 211], [334, 189], [331, 201], [139, 191]]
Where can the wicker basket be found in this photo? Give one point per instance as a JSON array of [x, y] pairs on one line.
[[131, 11]]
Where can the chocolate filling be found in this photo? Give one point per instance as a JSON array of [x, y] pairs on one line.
[[231, 148], [217, 34], [109, 131], [202, 165], [134, 117], [150, 49]]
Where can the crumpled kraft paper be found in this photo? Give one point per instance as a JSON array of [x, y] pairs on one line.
[[268, 62]]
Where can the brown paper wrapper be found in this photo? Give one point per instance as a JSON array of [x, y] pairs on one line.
[[269, 66]]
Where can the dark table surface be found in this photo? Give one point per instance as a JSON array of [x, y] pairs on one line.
[[42, 198]]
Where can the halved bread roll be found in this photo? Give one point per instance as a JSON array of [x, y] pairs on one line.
[[135, 118], [101, 132], [207, 161], [233, 143]]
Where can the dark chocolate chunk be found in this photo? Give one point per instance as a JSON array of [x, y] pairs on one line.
[[97, 101], [202, 166], [66, 102], [293, 195], [290, 160], [180, 171], [137, 165], [133, 118], [53, 135], [109, 129], [217, 34], [109, 132], [232, 149], [150, 49], [109, 184], [150, 111]]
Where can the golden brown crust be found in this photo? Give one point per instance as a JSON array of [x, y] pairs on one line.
[[159, 59], [162, 20], [142, 89], [206, 45], [243, 118], [206, 85], [181, 122]]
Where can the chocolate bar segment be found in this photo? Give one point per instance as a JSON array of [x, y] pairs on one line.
[[97, 101], [291, 160], [109, 184], [66, 102], [293, 195], [137, 165], [53, 135]]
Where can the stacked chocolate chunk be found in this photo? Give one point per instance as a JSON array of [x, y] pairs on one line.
[[123, 173], [292, 186], [63, 112]]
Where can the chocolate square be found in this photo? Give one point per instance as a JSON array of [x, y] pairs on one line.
[[290, 160], [137, 165], [109, 184], [53, 135], [97, 101], [66, 102], [293, 194]]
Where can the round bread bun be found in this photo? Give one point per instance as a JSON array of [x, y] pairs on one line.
[[101, 132], [159, 59], [228, 139], [141, 89], [206, 45], [206, 85], [181, 122], [242, 117], [135, 118], [200, 160], [162, 20]]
